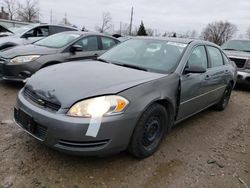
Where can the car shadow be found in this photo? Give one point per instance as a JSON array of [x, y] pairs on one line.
[[11, 84], [242, 87]]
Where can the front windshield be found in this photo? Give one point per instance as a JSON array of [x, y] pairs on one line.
[[21, 30], [58, 40], [237, 45], [152, 55]]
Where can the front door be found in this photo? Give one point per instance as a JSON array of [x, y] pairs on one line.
[[90, 49], [194, 85]]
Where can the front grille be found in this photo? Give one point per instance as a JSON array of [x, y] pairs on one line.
[[27, 123], [240, 63], [93, 144], [32, 96], [1, 68]]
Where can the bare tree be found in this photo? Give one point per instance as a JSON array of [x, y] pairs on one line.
[[150, 32], [248, 32], [106, 23], [11, 7], [29, 11], [219, 32], [189, 34]]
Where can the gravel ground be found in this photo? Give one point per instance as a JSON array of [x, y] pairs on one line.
[[211, 149]]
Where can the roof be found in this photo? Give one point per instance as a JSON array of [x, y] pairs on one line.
[[45, 24], [84, 33], [172, 39]]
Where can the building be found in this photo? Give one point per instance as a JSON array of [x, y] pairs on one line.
[[3, 14]]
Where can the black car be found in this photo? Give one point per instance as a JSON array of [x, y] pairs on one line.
[[20, 62], [30, 33]]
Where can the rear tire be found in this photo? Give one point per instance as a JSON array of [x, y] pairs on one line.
[[222, 104], [149, 131]]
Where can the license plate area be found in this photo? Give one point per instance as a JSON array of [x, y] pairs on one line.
[[26, 121]]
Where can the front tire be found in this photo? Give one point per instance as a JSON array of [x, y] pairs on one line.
[[222, 104], [149, 131]]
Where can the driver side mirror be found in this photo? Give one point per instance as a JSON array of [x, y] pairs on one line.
[[194, 69], [76, 48]]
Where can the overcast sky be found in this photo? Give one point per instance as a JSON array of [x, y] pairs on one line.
[[163, 15]]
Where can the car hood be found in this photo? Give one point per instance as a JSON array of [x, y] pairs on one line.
[[27, 50], [237, 54], [68, 83], [11, 39]]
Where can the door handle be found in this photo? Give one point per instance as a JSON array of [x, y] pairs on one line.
[[207, 77]]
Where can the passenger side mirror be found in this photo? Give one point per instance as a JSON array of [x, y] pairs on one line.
[[76, 48], [194, 69]]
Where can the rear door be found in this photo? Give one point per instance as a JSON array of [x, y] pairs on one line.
[[217, 71], [194, 85], [90, 49]]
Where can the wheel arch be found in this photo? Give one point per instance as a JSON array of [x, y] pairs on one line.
[[168, 105], [50, 63]]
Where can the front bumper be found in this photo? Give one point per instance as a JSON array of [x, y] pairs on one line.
[[18, 72], [243, 76], [68, 134]]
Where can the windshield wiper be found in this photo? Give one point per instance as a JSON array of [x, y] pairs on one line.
[[102, 60], [230, 49], [131, 66]]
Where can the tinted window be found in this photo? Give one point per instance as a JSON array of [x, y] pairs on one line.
[[153, 55], [57, 29], [215, 56], [198, 57], [107, 43], [58, 40], [88, 43]]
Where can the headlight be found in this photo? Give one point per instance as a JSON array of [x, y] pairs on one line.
[[99, 106], [24, 59], [248, 64]]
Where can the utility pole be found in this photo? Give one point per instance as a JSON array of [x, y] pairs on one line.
[[51, 16], [120, 28], [131, 21], [65, 19]]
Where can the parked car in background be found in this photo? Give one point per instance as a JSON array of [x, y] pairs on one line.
[[30, 33], [21, 62], [4, 31], [129, 98], [239, 52]]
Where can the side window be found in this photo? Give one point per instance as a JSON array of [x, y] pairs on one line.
[[198, 57], [215, 56], [58, 29], [88, 43], [107, 43], [38, 32]]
